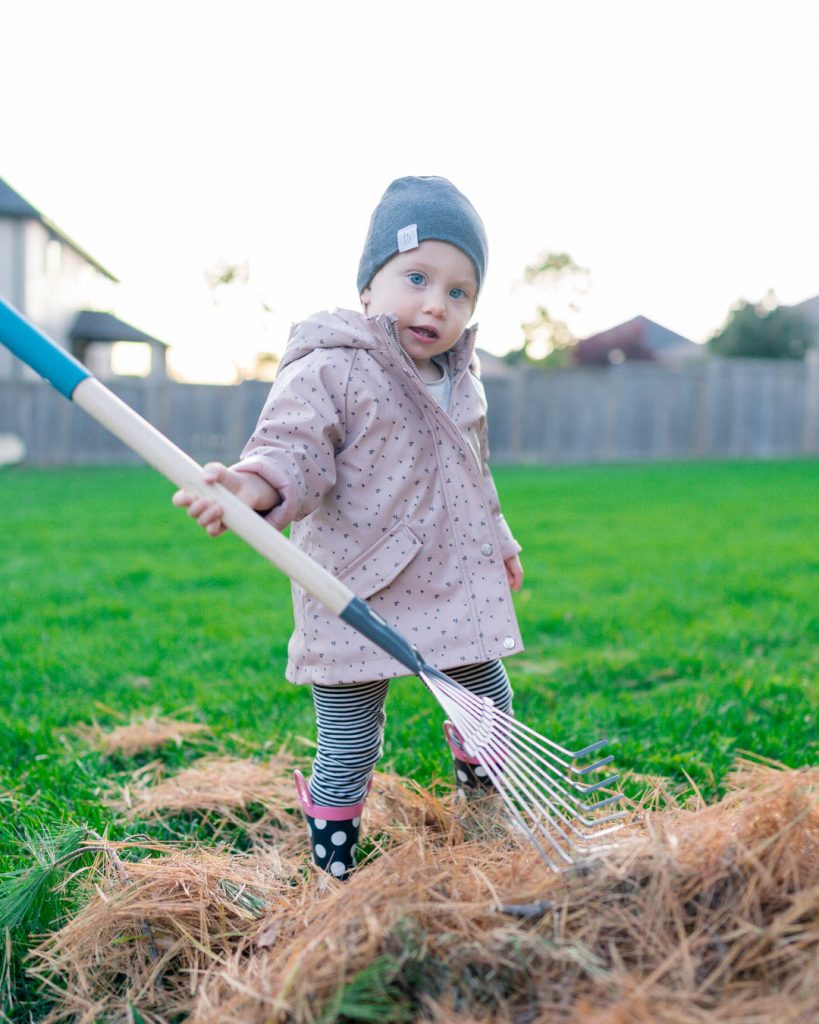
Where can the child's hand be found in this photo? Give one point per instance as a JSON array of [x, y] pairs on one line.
[[252, 489], [514, 572]]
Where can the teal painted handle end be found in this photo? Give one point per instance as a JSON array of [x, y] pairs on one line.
[[40, 352]]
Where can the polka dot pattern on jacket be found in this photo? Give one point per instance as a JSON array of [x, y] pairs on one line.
[[390, 493]]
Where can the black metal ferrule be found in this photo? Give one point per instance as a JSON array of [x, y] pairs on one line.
[[361, 617]]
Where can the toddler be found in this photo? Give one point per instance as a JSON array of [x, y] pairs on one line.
[[372, 444]]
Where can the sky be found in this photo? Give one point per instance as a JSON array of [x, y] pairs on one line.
[[672, 149]]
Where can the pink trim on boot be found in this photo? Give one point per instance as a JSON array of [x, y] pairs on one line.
[[325, 813], [456, 744]]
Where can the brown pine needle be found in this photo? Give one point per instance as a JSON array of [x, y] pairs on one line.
[[700, 914]]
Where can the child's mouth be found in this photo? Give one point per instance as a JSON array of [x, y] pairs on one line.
[[425, 333]]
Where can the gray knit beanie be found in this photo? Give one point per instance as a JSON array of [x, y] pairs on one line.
[[413, 210]]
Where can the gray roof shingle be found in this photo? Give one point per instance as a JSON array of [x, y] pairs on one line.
[[93, 325], [12, 204]]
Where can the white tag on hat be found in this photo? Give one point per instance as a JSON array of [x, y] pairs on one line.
[[408, 237]]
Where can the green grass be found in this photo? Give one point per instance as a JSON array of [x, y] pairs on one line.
[[673, 608]]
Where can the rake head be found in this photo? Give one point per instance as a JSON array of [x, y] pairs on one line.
[[543, 785]]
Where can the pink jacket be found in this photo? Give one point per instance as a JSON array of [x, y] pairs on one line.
[[390, 494]]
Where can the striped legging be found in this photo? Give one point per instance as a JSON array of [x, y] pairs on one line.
[[350, 723]]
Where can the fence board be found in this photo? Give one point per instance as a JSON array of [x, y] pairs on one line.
[[717, 408]]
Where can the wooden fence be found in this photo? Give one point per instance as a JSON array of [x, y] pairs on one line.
[[718, 408]]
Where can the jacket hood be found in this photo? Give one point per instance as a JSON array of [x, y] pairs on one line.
[[345, 328]]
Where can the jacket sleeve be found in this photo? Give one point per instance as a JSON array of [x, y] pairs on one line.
[[509, 546], [299, 432]]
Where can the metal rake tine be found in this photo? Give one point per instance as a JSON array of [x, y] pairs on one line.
[[580, 804], [504, 766], [524, 735], [522, 752], [500, 758], [447, 697], [521, 768], [565, 751], [538, 740], [503, 762], [538, 808], [491, 769], [588, 822], [513, 801], [602, 784], [523, 741], [510, 744], [543, 742]]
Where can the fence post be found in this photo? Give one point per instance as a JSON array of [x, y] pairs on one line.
[[704, 422], [811, 421], [517, 435]]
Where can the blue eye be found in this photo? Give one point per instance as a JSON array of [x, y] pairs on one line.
[[458, 293], [416, 278]]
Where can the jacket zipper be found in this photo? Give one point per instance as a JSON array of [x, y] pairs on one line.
[[393, 332], [463, 445]]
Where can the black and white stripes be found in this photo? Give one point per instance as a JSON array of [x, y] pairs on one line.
[[350, 726], [488, 679], [350, 720]]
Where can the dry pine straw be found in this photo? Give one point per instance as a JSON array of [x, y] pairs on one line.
[[139, 736], [699, 914]]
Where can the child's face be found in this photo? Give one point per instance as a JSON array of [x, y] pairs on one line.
[[432, 290]]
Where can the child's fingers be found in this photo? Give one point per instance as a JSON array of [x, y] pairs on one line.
[[514, 573], [214, 472], [211, 520], [205, 511], [182, 499]]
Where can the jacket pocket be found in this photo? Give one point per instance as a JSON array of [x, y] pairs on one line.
[[379, 565]]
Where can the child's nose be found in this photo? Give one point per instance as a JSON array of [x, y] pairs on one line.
[[435, 306]]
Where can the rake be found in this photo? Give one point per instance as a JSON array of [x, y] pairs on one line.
[[544, 786]]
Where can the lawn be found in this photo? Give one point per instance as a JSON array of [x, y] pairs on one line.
[[672, 608]]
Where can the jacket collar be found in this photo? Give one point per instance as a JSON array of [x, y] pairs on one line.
[[461, 355], [348, 328]]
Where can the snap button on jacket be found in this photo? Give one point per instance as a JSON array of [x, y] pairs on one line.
[[390, 493]]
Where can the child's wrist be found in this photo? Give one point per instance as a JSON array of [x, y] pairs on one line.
[[255, 491], [264, 497]]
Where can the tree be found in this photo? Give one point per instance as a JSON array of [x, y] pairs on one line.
[[547, 338], [242, 317], [763, 330]]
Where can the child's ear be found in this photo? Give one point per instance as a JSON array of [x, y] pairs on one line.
[[365, 299]]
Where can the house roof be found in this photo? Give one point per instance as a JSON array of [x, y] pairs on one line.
[[492, 365], [809, 309], [653, 335], [93, 325], [12, 204], [638, 338]]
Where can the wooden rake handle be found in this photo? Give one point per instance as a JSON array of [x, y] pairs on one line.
[[76, 382]]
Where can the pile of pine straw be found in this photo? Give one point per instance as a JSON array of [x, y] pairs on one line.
[[700, 913], [140, 735]]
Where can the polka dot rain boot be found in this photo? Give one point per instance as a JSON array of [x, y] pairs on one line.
[[471, 778], [333, 831]]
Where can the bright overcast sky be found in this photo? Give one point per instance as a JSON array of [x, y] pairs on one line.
[[671, 148]]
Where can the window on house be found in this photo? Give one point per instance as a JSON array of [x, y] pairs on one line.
[[53, 257], [131, 358]]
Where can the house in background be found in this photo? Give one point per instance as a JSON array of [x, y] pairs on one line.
[[60, 288], [809, 309], [639, 338]]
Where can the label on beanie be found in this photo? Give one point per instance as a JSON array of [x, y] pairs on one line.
[[408, 237]]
